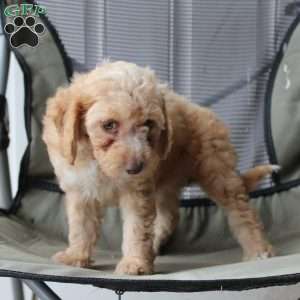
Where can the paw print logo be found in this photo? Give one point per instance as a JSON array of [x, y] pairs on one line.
[[24, 31]]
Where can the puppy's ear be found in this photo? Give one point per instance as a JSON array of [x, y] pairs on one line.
[[167, 133], [71, 130]]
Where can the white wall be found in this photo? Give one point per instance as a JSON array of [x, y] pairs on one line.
[[79, 292], [18, 139]]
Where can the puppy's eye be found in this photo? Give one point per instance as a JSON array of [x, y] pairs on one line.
[[149, 123], [110, 125]]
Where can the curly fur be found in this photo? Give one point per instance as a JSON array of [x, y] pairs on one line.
[[183, 141]]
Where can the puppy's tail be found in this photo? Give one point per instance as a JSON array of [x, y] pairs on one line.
[[252, 177]]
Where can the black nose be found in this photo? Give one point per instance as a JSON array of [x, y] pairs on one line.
[[135, 168]]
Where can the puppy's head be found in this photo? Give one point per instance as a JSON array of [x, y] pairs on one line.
[[122, 113]]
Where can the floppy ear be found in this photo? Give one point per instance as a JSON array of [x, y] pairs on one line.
[[167, 133], [71, 130], [63, 120]]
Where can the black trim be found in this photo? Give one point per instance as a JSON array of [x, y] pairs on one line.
[[45, 185], [163, 285], [268, 98], [4, 211], [4, 138], [42, 184]]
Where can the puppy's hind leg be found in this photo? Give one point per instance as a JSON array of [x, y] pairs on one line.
[[226, 188], [84, 218], [215, 167], [167, 215]]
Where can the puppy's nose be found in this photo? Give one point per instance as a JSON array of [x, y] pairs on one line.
[[135, 167]]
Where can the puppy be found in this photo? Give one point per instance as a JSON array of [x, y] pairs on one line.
[[117, 136]]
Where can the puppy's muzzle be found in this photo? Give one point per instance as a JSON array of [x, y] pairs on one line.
[[135, 167]]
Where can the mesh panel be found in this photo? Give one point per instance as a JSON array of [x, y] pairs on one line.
[[217, 53]]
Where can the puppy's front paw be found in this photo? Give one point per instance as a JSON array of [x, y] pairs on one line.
[[262, 253], [134, 266], [67, 258]]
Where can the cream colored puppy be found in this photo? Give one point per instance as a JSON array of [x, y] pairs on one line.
[[116, 136]]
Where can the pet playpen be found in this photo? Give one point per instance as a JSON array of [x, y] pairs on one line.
[[241, 58]]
